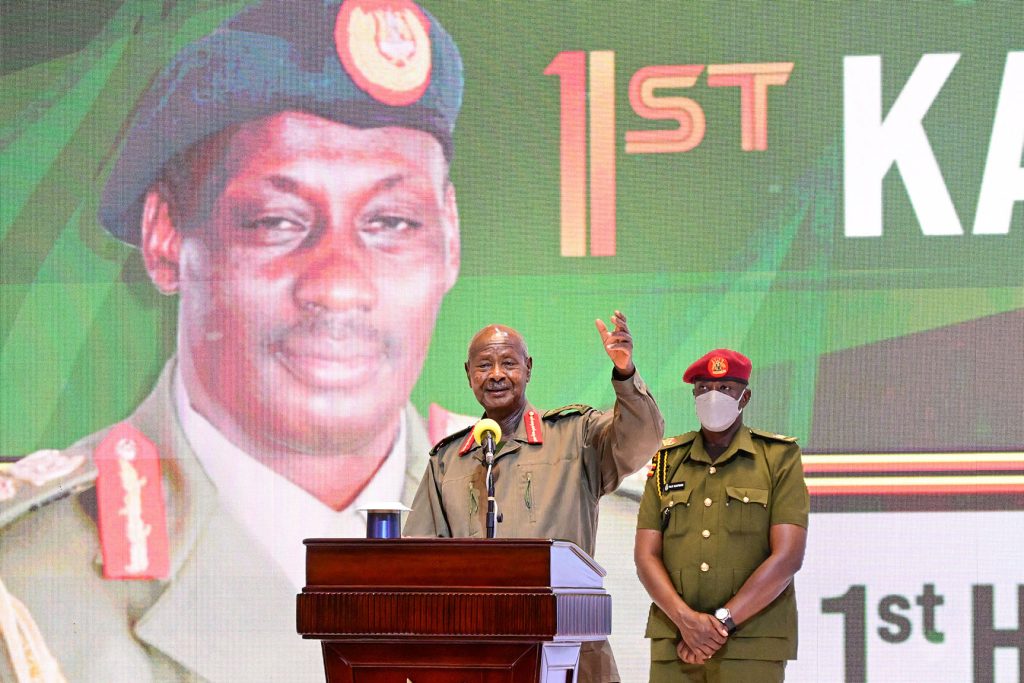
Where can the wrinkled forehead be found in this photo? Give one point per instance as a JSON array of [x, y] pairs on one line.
[[497, 338]]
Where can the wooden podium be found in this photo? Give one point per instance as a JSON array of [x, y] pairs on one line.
[[415, 610]]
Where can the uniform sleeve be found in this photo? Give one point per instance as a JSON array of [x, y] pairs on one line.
[[791, 504], [649, 516], [427, 517], [624, 438]]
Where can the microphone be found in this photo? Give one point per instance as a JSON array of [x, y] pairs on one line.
[[487, 433]]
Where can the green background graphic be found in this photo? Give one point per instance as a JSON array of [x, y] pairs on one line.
[[716, 246]]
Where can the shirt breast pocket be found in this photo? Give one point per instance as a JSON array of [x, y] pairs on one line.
[[746, 510], [674, 508], [462, 498], [535, 482]]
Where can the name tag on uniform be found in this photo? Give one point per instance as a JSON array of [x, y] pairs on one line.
[[675, 486]]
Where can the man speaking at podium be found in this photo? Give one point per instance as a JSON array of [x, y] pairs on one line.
[[550, 467]]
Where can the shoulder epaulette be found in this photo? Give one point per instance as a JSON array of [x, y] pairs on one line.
[[42, 478], [773, 436], [673, 441], [448, 439], [570, 409]]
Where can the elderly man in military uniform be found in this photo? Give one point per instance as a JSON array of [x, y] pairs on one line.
[[287, 177], [721, 531], [550, 468]]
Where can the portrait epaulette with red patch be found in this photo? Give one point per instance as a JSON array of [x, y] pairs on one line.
[[572, 408], [448, 439], [772, 436]]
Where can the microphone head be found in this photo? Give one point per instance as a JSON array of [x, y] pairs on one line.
[[486, 425]]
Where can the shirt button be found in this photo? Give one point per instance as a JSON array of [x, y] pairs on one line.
[[746, 499], [712, 469], [704, 566], [706, 533], [707, 502]]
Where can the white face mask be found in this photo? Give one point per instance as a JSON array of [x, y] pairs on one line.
[[717, 411]]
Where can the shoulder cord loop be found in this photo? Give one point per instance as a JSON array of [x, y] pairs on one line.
[[30, 658]]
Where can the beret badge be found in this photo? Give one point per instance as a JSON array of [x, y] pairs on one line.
[[384, 46], [718, 366]]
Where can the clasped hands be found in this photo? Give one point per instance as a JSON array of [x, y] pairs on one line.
[[702, 636]]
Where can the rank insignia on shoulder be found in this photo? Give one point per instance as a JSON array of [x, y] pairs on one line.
[[452, 437], [8, 487], [556, 413], [39, 479], [679, 440], [46, 465], [773, 436]]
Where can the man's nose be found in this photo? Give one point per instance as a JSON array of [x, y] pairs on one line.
[[337, 275]]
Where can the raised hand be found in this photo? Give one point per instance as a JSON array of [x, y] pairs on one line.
[[618, 343]]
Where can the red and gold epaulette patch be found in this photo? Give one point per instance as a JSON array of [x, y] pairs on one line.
[[534, 427], [132, 519], [467, 444]]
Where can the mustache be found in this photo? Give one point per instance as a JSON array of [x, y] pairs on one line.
[[338, 327]]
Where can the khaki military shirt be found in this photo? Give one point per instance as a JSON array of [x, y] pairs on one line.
[[548, 475], [226, 612], [715, 520], [548, 478]]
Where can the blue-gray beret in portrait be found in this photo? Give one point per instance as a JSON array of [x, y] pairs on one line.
[[364, 63]]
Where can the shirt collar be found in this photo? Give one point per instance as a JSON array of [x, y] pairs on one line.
[[529, 430], [277, 513], [741, 444]]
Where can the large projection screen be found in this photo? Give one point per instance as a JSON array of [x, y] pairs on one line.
[[834, 189]]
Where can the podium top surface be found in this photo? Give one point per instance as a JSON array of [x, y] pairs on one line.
[[457, 563]]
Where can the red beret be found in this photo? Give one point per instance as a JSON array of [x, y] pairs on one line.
[[719, 364]]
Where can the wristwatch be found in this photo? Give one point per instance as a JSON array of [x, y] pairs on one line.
[[725, 616]]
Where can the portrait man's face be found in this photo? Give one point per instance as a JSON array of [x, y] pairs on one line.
[[310, 279]]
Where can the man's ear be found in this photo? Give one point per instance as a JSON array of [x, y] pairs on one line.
[[452, 244], [529, 367], [745, 398], [469, 380], [160, 242]]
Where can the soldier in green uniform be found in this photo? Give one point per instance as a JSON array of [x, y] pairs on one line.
[[721, 531], [551, 467], [287, 177]]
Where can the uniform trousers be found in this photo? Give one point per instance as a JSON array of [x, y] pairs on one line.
[[719, 671]]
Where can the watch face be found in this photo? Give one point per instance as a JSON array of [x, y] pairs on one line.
[[722, 614]]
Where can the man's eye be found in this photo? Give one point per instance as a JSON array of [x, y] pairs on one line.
[[275, 224], [393, 224]]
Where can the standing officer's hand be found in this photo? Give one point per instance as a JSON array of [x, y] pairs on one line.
[[618, 343], [703, 635], [688, 655]]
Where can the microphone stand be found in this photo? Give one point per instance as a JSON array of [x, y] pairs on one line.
[[492, 505]]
